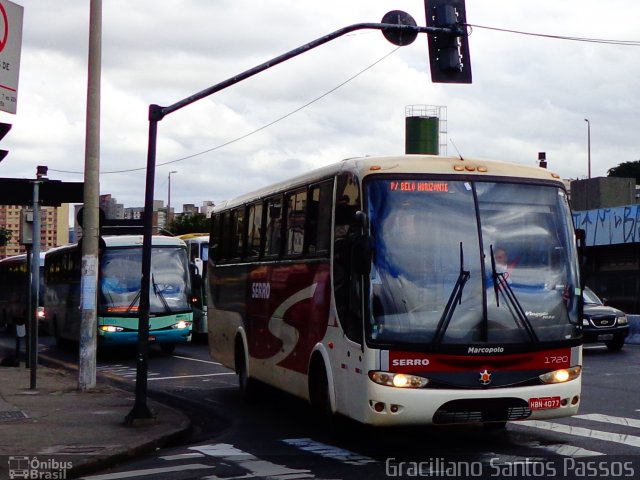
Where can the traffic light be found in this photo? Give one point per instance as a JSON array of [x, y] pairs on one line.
[[4, 129], [448, 51]]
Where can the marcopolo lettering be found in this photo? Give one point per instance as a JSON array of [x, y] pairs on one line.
[[485, 350]]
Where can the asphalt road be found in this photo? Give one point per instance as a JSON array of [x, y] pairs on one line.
[[277, 438]]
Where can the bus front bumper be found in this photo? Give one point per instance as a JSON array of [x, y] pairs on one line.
[[387, 406]]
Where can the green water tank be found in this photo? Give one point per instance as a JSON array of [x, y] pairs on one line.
[[421, 135]]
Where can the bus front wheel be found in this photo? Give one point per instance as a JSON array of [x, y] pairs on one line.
[[247, 384], [319, 390]]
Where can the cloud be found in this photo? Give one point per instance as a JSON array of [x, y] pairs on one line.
[[529, 94]]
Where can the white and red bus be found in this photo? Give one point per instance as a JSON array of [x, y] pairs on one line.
[[403, 290]]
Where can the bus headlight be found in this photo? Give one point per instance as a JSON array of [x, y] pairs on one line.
[[181, 325], [399, 380], [562, 375], [40, 313], [111, 328]]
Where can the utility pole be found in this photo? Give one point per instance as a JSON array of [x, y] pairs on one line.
[[90, 227]]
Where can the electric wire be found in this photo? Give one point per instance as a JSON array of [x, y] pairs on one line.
[[259, 129]]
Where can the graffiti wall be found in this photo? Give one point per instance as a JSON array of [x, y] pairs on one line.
[[608, 226]]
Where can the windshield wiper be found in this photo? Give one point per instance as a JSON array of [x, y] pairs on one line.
[[455, 299], [500, 284], [133, 302], [160, 295]]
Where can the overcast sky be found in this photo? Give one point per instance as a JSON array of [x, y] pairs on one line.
[[529, 94]]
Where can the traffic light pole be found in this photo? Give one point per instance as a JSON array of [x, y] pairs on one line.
[[402, 32]]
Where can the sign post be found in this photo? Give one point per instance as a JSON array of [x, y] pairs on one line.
[[11, 15]]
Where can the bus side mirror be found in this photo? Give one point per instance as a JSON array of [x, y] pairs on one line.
[[361, 247]]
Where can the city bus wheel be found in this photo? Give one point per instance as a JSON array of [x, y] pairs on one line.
[[247, 384], [319, 393], [495, 425], [168, 348]]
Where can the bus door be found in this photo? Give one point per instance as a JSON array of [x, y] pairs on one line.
[[348, 289]]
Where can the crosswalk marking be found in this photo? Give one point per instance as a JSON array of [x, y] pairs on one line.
[[583, 432], [255, 465], [329, 451], [598, 417], [148, 471], [567, 450]]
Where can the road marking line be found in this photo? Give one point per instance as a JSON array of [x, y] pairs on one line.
[[583, 432], [150, 471], [329, 451], [181, 456], [598, 417], [196, 360], [568, 450], [255, 465], [192, 376]]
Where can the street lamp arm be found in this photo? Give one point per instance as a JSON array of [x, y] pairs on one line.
[[157, 113]]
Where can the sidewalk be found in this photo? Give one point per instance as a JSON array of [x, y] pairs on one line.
[[58, 429]]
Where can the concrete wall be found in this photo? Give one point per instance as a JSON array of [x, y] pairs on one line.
[[634, 329]]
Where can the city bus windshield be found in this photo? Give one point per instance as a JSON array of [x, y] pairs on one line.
[[120, 276], [461, 262]]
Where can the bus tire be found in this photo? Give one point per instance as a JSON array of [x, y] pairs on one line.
[[319, 390], [495, 426], [245, 382]]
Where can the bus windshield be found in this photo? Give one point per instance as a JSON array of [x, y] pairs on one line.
[[461, 262], [120, 272]]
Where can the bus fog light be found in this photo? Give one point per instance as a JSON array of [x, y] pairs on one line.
[[399, 380], [562, 375], [378, 407], [394, 408], [564, 402], [181, 325], [111, 328], [575, 400]]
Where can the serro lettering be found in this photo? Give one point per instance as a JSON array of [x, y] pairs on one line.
[[399, 362], [261, 290]]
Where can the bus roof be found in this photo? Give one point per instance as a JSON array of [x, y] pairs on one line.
[[127, 241], [22, 257], [404, 164], [194, 237]]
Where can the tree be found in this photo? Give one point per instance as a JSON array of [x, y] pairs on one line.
[[195, 223], [626, 170], [5, 236]]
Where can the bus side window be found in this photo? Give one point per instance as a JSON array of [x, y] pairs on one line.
[[254, 235], [238, 234], [274, 227], [319, 218], [296, 216], [215, 246], [225, 237]]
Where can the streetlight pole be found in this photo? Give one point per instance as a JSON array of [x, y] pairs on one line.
[[156, 113], [169, 197], [588, 145]]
